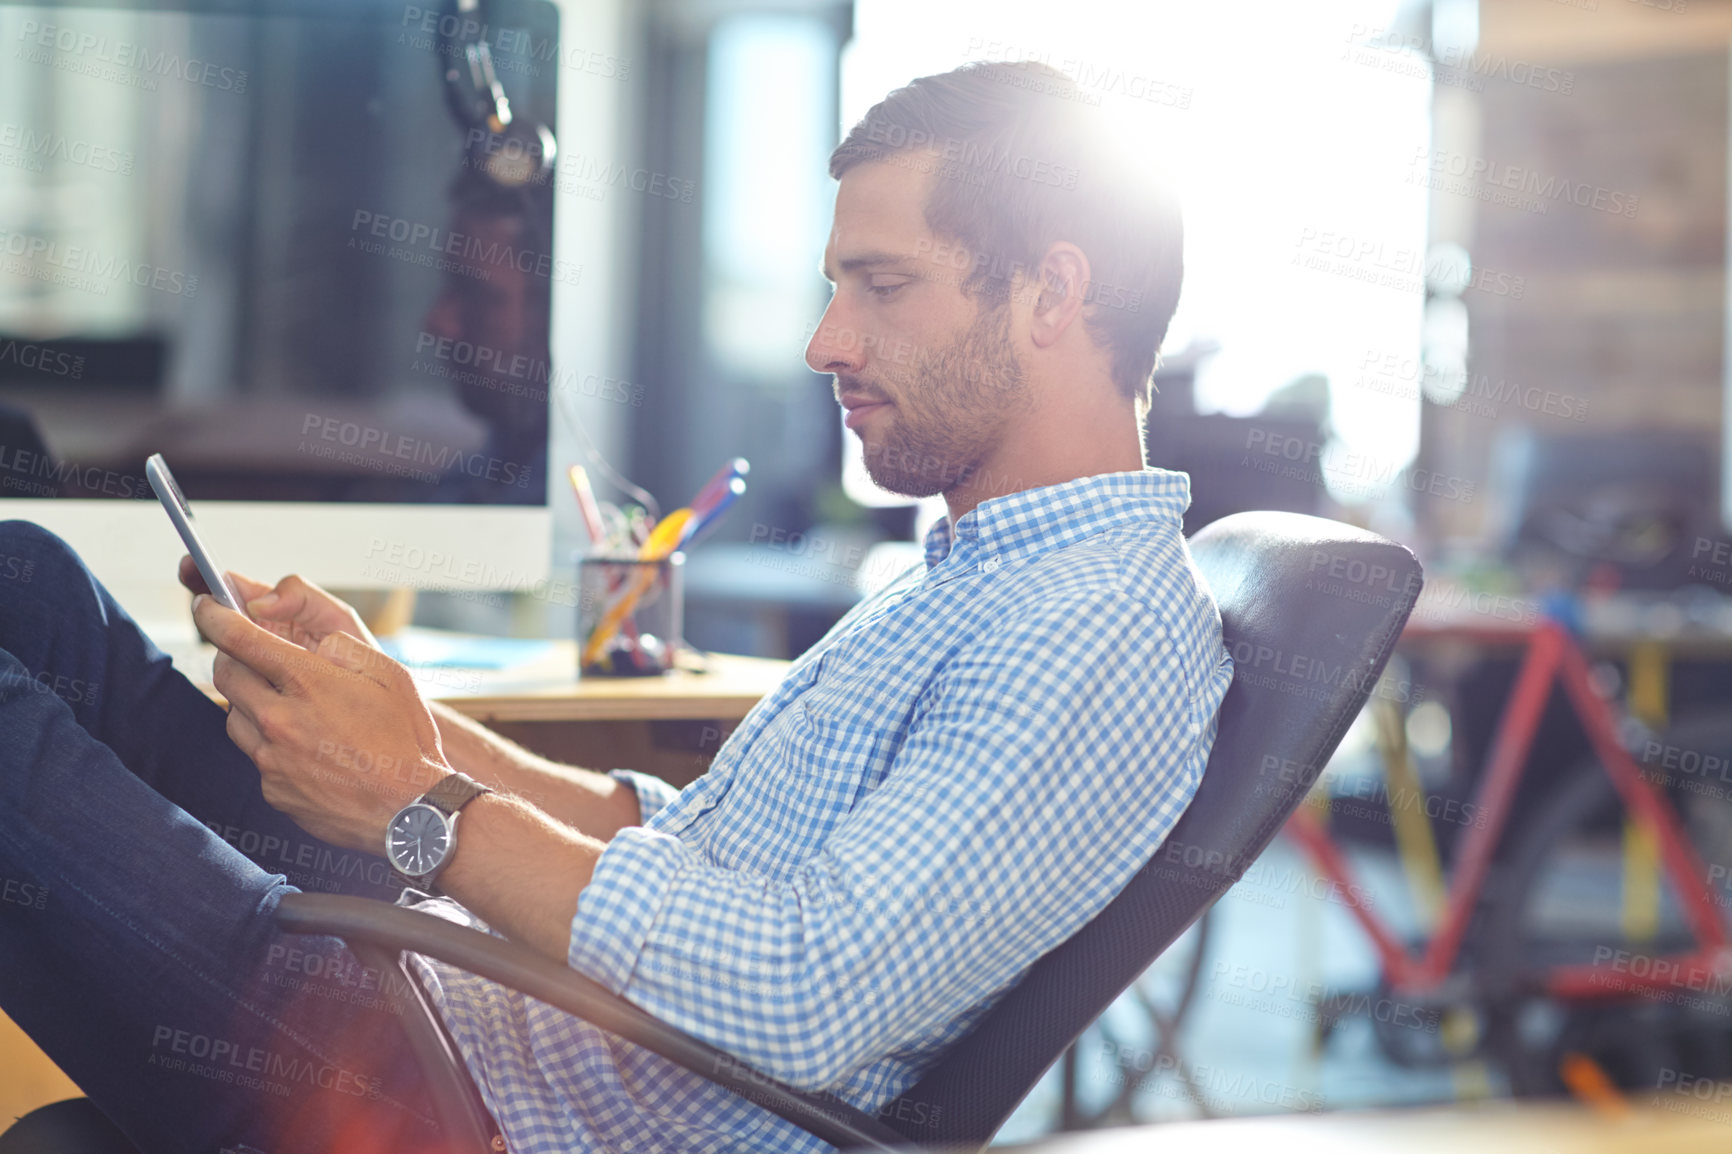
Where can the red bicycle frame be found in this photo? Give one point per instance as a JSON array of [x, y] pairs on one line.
[[1551, 655]]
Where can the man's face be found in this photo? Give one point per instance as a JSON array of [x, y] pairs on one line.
[[929, 376]]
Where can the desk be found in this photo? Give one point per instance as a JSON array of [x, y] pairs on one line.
[[670, 726], [726, 691], [710, 686]]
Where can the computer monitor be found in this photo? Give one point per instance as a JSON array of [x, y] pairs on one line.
[[280, 243]]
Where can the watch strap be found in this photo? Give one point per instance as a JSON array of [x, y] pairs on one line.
[[453, 793]]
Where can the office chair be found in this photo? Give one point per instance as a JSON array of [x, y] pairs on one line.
[[1296, 593]]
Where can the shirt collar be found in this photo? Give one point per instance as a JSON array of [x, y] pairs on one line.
[[1054, 516]]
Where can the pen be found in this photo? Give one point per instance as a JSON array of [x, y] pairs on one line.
[[703, 521], [716, 488], [586, 505]]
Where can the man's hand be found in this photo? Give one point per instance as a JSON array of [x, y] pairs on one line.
[[340, 735], [296, 609], [300, 612]]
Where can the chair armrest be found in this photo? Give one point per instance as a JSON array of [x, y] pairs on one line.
[[363, 920]]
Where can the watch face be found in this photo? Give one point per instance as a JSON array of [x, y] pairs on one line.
[[419, 837]]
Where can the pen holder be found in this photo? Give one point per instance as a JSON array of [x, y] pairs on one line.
[[630, 615]]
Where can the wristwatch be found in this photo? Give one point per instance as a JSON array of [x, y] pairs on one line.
[[422, 839]]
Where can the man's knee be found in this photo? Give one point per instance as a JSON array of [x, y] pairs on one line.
[[37, 567], [28, 552]]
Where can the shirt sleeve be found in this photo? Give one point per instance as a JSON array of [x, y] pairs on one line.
[[653, 794], [1041, 770]]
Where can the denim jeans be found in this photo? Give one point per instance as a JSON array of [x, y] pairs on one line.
[[139, 870]]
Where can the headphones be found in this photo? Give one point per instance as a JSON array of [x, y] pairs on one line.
[[509, 153]]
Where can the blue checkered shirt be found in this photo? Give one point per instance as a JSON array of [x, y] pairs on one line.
[[952, 782]]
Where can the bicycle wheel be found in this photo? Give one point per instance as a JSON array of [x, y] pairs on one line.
[[1557, 899]]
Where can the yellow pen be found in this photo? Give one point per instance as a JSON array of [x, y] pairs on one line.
[[666, 536]]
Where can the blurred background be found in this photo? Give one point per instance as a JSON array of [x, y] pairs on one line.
[[1456, 272]]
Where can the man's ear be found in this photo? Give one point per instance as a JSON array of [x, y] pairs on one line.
[[1063, 275]]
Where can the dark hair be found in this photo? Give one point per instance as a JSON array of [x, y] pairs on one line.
[[1023, 162]]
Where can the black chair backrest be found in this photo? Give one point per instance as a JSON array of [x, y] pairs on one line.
[[1310, 610]]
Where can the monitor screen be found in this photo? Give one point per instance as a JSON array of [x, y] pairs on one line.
[[280, 244]]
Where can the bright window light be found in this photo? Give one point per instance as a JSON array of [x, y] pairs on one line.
[[1296, 134], [766, 192]]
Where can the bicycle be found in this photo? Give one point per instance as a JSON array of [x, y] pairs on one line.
[[1548, 972], [1505, 976]]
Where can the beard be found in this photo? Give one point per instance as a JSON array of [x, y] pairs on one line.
[[950, 411]]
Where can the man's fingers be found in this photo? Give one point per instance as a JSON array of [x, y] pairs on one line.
[[190, 576], [247, 587], [304, 604], [243, 688], [279, 661], [194, 580], [245, 734], [287, 602], [352, 653]]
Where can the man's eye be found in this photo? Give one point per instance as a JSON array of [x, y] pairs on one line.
[[884, 290]]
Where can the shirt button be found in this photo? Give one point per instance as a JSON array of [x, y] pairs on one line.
[[990, 565]]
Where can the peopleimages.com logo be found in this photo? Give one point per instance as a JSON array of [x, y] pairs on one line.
[[94, 49], [1526, 188], [466, 254], [79, 261], [39, 147], [372, 442], [41, 358]]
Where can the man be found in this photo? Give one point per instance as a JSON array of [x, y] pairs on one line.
[[956, 778]]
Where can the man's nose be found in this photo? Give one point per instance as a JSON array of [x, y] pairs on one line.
[[834, 347]]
